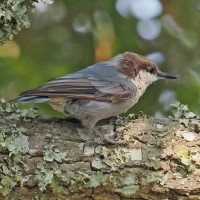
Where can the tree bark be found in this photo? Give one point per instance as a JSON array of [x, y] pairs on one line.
[[50, 159]]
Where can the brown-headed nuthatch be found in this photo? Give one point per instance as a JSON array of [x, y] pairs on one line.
[[99, 91]]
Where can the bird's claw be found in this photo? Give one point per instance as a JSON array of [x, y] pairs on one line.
[[105, 140]]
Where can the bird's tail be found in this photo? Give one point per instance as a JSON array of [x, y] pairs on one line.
[[25, 99]]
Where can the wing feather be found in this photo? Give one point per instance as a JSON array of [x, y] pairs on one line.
[[85, 84]]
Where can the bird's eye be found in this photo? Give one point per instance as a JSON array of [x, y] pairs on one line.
[[152, 70]]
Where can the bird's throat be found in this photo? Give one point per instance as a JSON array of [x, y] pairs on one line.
[[142, 81]]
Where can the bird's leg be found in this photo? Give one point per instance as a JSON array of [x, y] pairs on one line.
[[106, 137], [119, 133]]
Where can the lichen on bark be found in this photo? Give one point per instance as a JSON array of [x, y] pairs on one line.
[[49, 158], [14, 17]]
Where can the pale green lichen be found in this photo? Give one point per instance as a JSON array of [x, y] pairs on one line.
[[135, 154], [181, 111], [182, 152], [97, 163], [49, 176], [19, 144], [105, 152], [15, 112], [158, 177], [51, 155], [85, 134], [56, 186], [13, 142], [93, 180], [184, 116], [50, 179], [13, 18], [88, 150], [186, 161], [128, 190], [130, 185], [154, 162], [188, 136], [10, 176], [112, 159], [41, 196], [185, 155], [47, 1], [6, 184], [43, 176], [127, 156]]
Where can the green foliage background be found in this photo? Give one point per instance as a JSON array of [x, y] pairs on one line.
[[52, 47]]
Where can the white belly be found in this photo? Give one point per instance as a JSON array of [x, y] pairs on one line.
[[105, 110]]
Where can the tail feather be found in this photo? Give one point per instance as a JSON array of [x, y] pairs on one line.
[[25, 99], [41, 99]]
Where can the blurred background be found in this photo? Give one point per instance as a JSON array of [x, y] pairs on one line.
[[69, 35]]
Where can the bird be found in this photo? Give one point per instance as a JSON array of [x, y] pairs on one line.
[[100, 91]]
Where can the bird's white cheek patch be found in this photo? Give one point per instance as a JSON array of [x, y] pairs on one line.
[[145, 78], [142, 81]]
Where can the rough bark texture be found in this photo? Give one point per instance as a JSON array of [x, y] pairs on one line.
[[48, 159]]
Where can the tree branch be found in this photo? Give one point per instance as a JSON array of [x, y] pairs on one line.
[[46, 158]]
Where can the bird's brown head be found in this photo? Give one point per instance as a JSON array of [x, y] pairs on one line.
[[133, 65]]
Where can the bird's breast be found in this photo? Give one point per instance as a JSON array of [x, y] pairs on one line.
[[140, 85]]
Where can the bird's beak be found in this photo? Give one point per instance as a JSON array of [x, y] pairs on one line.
[[162, 75]]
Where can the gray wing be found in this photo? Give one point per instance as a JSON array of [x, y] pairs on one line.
[[100, 82]]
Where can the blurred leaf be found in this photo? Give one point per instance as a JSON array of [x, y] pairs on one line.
[[10, 49]]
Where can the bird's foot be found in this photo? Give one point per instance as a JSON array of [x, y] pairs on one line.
[[106, 137], [106, 141]]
